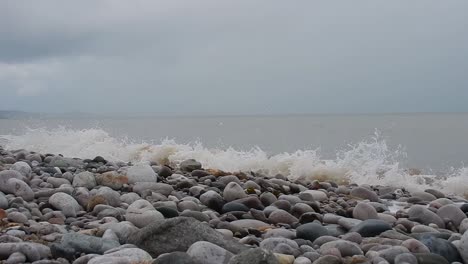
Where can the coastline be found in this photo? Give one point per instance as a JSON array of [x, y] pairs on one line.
[[68, 210]]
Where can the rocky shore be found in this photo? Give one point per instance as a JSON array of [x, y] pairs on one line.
[[56, 209]]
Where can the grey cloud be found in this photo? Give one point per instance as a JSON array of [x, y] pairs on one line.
[[234, 56]]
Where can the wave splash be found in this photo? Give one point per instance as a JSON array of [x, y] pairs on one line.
[[367, 162]]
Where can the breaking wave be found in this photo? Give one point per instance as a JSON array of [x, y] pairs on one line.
[[370, 161]]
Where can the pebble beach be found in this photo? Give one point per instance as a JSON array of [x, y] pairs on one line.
[[56, 209]]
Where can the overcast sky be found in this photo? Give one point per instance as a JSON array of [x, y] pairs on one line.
[[234, 57]]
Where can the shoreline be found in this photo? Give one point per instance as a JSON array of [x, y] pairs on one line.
[[64, 210]]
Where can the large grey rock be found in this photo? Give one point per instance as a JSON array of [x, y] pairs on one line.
[[441, 247], [281, 216], [6, 175], [364, 193], [190, 165], [141, 213], [254, 256], [126, 255], [84, 179], [463, 247], [233, 191], [3, 201], [280, 245], [425, 216], [451, 212], [22, 167], [430, 258], [209, 253], [371, 227], [213, 200], [364, 211], [20, 189], [178, 234], [313, 195], [141, 173], [65, 203], [174, 258], [311, 231], [112, 197], [346, 248], [391, 253], [81, 243], [32, 251]]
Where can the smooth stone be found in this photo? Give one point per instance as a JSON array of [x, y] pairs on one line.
[[430, 258], [209, 253], [84, 179], [364, 211], [249, 223], [364, 193], [280, 216], [158, 237], [162, 188], [346, 248], [451, 212], [87, 244], [438, 194], [3, 201], [233, 207], [213, 200], [386, 217], [425, 196], [126, 255], [141, 173], [415, 246], [190, 165], [463, 247], [406, 258], [302, 260], [353, 237], [57, 182], [61, 162], [112, 180], [142, 213], [174, 258], [371, 227], [17, 217], [16, 258], [280, 232], [267, 198], [233, 191], [129, 198], [5, 176], [391, 253], [313, 195], [328, 259], [32, 251], [284, 258], [124, 230], [463, 226], [254, 256], [349, 223], [65, 203], [311, 231], [168, 212], [22, 167], [280, 245], [441, 247], [423, 229], [197, 215], [112, 197], [20, 189], [425, 216]]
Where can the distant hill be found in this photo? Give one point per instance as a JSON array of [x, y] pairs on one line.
[[7, 114]]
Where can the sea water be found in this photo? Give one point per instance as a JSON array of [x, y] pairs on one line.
[[414, 151]]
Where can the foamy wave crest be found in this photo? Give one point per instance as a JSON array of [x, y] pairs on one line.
[[367, 162]]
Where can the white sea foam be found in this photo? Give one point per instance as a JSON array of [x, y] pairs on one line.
[[367, 162]]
